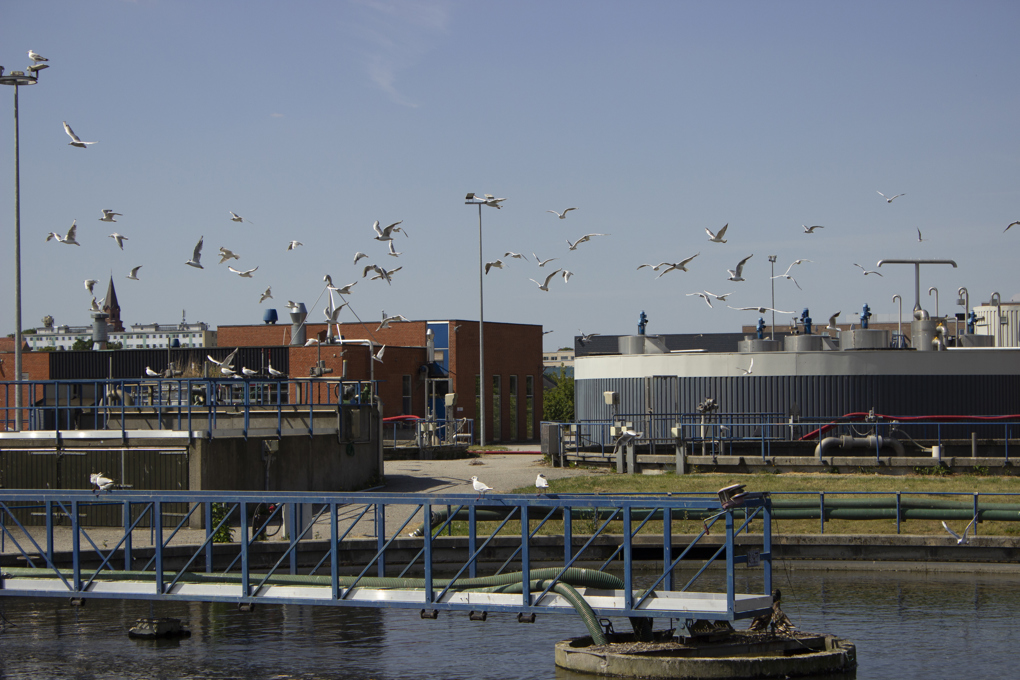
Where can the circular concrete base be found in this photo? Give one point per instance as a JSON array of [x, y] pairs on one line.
[[741, 655]]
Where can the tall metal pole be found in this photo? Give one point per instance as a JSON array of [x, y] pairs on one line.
[[772, 261], [17, 271], [481, 335]]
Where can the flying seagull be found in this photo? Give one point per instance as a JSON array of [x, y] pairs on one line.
[[811, 230], [480, 487], [358, 255], [119, 238], [585, 339], [542, 263], [961, 540], [737, 274], [387, 319], [586, 237], [890, 200], [708, 300], [196, 257], [795, 263], [36, 57], [227, 362], [832, 322], [718, 297], [567, 275], [227, 254], [393, 250], [517, 256], [346, 290], [541, 483], [385, 234], [294, 244], [69, 238], [919, 239], [749, 369], [1011, 224], [74, 138], [89, 284], [676, 266], [760, 310], [380, 273], [787, 276], [489, 200], [246, 274], [563, 214], [134, 273], [379, 355], [717, 237], [498, 264], [100, 482], [234, 217], [545, 286], [108, 216], [866, 271], [266, 295]]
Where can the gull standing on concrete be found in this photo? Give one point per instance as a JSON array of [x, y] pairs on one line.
[[811, 230], [196, 257], [294, 244], [890, 200], [134, 273], [717, 237], [480, 487], [737, 274], [74, 138], [119, 238], [108, 216], [89, 285], [542, 263], [70, 238], [234, 217], [562, 215], [583, 239], [866, 272], [227, 254], [268, 294], [961, 540], [246, 274], [545, 286]]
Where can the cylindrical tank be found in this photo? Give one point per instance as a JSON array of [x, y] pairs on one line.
[[756, 345], [803, 343], [631, 344], [971, 340], [922, 332], [297, 324], [99, 330], [865, 338]]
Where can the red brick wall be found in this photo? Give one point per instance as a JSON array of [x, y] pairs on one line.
[[36, 365]]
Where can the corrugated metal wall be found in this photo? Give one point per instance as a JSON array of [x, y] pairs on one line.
[[131, 363], [814, 397], [140, 469]]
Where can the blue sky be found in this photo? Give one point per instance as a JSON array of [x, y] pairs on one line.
[[655, 119]]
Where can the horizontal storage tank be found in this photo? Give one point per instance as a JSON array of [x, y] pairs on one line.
[[865, 338]]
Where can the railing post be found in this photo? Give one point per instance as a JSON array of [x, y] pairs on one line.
[[427, 515], [75, 547], [157, 542], [821, 510], [334, 566], [472, 540], [126, 518], [49, 530], [628, 574], [730, 570], [898, 512], [568, 534], [380, 537], [667, 545], [767, 547], [293, 531], [245, 587], [976, 510], [525, 556]]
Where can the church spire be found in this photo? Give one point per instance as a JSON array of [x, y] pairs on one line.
[[112, 308]]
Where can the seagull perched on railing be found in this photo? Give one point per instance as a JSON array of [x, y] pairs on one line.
[[100, 482], [541, 483], [480, 487]]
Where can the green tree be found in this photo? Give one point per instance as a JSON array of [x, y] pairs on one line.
[[81, 343], [558, 402]]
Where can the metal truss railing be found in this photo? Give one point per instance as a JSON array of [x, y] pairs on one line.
[[68, 559]]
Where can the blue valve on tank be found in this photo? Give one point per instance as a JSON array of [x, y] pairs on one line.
[[971, 322], [642, 322], [761, 328], [805, 320], [865, 315]]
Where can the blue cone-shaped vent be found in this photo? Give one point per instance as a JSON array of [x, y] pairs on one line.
[[270, 316]]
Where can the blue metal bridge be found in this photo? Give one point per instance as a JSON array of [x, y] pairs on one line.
[[59, 553]]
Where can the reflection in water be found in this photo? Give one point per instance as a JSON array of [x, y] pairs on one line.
[[904, 625]]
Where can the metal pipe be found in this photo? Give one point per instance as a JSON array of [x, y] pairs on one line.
[[933, 288], [996, 299], [869, 442], [899, 319], [481, 335], [18, 371]]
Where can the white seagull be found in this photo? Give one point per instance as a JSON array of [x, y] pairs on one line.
[[868, 271], [273, 372], [380, 273], [760, 310], [329, 282], [786, 276], [518, 256], [498, 264], [151, 373], [246, 274], [563, 214], [585, 339], [832, 322], [95, 305], [1011, 224], [722, 297], [379, 355], [294, 244], [811, 230], [749, 369], [737, 274], [89, 285], [385, 234], [961, 540], [545, 286], [566, 275], [393, 251], [119, 238], [717, 237], [542, 263], [480, 487], [70, 238], [541, 483], [227, 362], [708, 301], [100, 482], [74, 138], [227, 254], [36, 57], [134, 273], [489, 200], [890, 200], [268, 294], [196, 256], [346, 290], [586, 237], [108, 216], [234, 217], [919, 239], [795, 263], [387, 319], [248, 372], [358, 255]]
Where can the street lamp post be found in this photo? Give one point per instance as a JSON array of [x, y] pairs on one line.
[[17, 78], [492, 202], [772, 261]]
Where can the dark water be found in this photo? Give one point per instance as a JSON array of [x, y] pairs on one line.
[[905, 626]]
